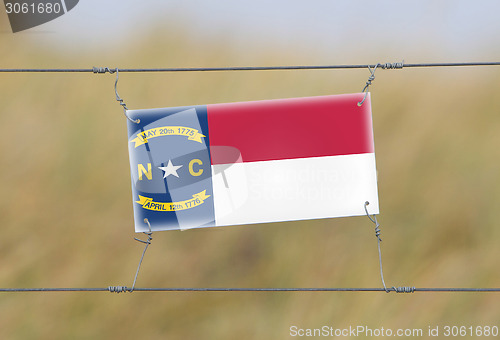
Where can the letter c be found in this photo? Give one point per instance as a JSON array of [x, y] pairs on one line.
[[191, 170]]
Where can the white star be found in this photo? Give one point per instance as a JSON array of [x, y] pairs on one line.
[[170, 169]]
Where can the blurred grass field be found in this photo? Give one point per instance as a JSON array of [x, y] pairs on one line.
[[66, 205]]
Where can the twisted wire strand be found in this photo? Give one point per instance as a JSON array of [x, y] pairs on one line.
[[120, 289], [404, 289], [147, 243], [103, 70], [392, 66], [249, 68], [379, 239], [369, 82], [118, 98], [117, 289]]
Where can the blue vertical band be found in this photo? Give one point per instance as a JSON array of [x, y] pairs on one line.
[[170, 168]]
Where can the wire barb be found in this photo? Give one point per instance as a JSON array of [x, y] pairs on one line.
[[404, 289], [117, 289], [102, 70], [392, 66]]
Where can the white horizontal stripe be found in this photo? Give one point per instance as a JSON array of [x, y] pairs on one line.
[[294, 189]]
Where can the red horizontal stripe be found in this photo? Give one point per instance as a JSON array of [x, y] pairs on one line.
[[291, 128]]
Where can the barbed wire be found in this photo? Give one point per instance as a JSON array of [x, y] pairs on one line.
[[398, 65]]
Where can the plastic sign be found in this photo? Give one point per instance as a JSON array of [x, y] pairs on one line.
[[252, 162]]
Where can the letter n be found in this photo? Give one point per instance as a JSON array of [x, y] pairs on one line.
[[142, 170]]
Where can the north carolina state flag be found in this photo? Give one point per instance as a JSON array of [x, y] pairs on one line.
[[252, 162]]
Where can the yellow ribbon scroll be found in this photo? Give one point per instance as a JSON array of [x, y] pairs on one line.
[[149, 204], [192, 134]]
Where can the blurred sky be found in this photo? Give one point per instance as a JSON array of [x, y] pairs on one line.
[[450, 30]]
